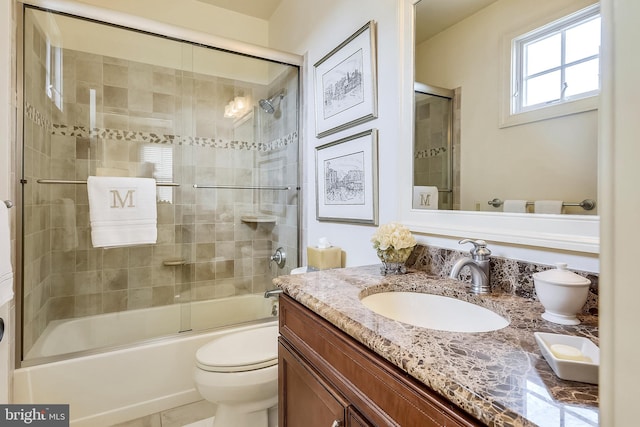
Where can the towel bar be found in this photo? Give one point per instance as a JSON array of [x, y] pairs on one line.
[[241, 187], [174, 262], [64, 181], [586, 204], [8, 204]]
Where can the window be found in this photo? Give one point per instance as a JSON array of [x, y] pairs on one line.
[[161, 159], [53, 75], [557, 63]]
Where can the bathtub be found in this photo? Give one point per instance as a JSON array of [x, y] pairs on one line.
[[127, 383]]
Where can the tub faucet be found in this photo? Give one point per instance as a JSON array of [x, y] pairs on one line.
[[478, 264], [272, 293]]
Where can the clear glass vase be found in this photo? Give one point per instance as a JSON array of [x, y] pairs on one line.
[[392, 268]]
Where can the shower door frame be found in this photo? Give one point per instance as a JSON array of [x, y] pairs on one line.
[[144, 26]]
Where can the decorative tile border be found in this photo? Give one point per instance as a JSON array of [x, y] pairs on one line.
[[36, 116], [432, 152], [150, 137]]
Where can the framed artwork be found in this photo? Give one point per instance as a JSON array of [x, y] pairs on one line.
[[345, 83], [347, 179]]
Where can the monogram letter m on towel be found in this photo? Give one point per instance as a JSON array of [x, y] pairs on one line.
[[122, 211], [119, 202]]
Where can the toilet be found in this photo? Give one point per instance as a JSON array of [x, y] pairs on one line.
[[239, 373]]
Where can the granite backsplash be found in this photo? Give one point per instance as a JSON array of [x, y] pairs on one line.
[[507, 275]]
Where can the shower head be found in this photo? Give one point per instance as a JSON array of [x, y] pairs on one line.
[[269, 105]]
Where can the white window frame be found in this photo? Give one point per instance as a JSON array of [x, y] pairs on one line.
[[161, 157], [512, 72], [53, 74]]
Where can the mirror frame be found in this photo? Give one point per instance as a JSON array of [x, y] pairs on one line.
[[578, 233]]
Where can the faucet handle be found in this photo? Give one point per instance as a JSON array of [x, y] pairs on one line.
[[479, 252]]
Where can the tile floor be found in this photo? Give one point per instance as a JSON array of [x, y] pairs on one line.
[[197, 414]]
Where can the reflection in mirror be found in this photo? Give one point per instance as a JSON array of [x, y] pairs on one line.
[[469, 51], [433, 162]]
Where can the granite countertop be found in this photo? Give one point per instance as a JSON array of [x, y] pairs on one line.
[[498, 377]]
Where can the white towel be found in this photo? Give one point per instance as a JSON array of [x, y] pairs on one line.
[[6, 272], [517, 206], [548, 206], [425, 197], [122, 211]]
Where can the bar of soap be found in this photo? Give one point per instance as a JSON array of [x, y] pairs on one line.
[[567, 352], [324, 258]]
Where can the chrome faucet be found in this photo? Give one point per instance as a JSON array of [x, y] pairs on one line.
[[478, 264], [273, 293]]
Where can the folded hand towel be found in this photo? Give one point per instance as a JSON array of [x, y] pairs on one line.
[[548, 206], [6, 271], [425, 197], [122, 211], [517, 206]]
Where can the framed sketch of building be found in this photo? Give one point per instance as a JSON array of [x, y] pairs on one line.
[[345, 83], [347, 179]]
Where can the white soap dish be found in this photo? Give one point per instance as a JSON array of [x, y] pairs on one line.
[[585, 370]]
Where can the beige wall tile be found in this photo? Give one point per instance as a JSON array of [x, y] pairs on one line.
[[115, 75], [139, 298], [116, 97], [114, 301], [140, 277], [115, 279], [88, 70]]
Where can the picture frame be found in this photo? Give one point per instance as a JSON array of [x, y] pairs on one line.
[[345, 83], [347, 179]]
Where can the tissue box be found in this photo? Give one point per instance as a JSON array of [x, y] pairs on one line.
[[324, 258]]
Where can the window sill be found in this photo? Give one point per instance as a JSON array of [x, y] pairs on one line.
[[550, 112]]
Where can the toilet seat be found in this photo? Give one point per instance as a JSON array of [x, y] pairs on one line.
[[240, 351]]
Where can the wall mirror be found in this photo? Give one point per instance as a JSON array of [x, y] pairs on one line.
[[463, 47]]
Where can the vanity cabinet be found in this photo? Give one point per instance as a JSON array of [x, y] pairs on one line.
[[328, 379]]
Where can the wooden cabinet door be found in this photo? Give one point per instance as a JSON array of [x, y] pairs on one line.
[[304, 398]]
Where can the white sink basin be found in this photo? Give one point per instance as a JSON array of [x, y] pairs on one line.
[[434, 312]]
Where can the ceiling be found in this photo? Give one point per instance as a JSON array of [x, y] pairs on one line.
[[432, 16], [262, 9]]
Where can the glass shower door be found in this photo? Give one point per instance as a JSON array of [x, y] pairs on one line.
[[433, 150], [104, 100]]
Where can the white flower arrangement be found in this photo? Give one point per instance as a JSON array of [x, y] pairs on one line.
[[393, 242]]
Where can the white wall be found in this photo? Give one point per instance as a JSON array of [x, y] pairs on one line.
[[519, 162], [93, 38], [194, 15], [620, 151], [313, 29]]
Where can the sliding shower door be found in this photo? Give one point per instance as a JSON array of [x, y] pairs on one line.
[[101, 100]]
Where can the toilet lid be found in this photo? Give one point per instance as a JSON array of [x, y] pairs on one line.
[[240, 351]]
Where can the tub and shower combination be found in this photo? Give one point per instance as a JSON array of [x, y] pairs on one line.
[[113, 332]]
